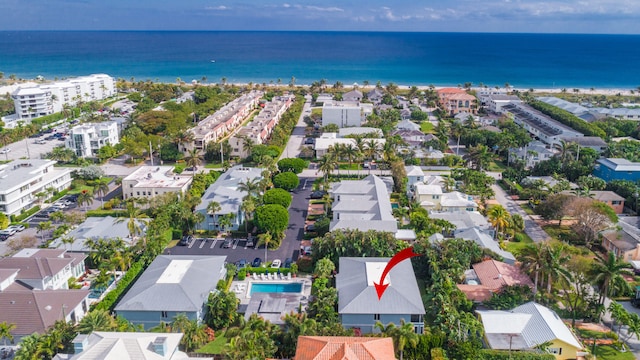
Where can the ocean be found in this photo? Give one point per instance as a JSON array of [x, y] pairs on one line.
[[522, 60]]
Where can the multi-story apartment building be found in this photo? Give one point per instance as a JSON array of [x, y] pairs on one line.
[[342, 113], [260, 128], [22, 181], [215, 127], [45, 99], [87, 139], [150, 181], [539, 125], [454, 101]]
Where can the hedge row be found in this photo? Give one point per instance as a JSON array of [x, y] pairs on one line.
[[105, 213], [568, 119], [24, 215], [261, 270], [109, 301], [487, 354]]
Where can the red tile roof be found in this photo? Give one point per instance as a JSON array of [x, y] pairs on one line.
[[495, 274], [344, 348]]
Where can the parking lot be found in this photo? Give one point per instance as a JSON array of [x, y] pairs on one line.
[[36, 146]]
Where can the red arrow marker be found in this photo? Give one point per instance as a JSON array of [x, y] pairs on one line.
[[395, 260]]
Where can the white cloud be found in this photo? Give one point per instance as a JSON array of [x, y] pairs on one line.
[[217, 8], [327, 9]]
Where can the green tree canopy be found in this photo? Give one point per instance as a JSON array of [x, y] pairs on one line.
[[272, 218], [277, 196], [286, 180]]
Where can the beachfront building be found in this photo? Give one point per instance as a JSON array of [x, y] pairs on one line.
[[495, 102], [328, 140], [225, 192], [100, 228], [527, 326], [23, 183], [215, 127], [454, 101], [342, 114], [619, 113], [592, 142], [149, 181], [362, 205], [87, 139], [172, 285], [45, 99], [358, 305], [539, 125], [100, 345], [609, 169], [353, 95], [261, 127], [578, 110]]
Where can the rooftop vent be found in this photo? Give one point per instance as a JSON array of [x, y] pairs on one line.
[[149, 176], [160, 345]]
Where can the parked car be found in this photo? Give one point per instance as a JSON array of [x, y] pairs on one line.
[[311, 227], [275, 264], [17, 227], [62, 138], [309, 141], [256, 262], [250, 242], [40, 141], [191, 168], [4, 237], [227, 243], [34, 136], [8, 231], [186, 240], [306, 251], [287, 263], [5, 151], [50, 137], [318, 194], [241, 264]]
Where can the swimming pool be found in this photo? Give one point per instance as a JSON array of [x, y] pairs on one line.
[[276, 288]]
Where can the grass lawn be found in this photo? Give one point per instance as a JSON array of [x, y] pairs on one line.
[[563, 233], [426, 127], [213, 166], [496, 166], [316, 112], [214, 347], [608, 352], [346, 166], [516, 247]]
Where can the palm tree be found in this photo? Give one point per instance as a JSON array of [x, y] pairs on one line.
[[250, 186], [608, 275], [5, 331], [96, 320], [479, 156], [248, 206], [532, 257], [326, 165], [193, 159], [44, 227], [554, 266], [226, 221], [101, 187], [4, 138], [402, 335], [350, 151], [85, 198], [499, 218], [566, 151], [264, 239], [373, 149], [133, 213]]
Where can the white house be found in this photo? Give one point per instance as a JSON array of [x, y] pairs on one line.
[[23, 181], [532, 153], [45, 269], [93, 228], [87, 139], [495, 102], [342, 114], [150, 181], [328, 140], [45, 99]]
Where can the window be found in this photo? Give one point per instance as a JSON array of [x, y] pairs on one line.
[[616, 202], [416, 318], [376, 316], [164, 314], [138, 193], [555, 351]]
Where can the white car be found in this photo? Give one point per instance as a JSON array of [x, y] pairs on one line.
[[276, 264], [18, 228], [5, 151]]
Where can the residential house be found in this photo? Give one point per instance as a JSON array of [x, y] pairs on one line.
[[539, 125], [360, 131], [94, 228], [45, 269], [87, 139], [592, 142], [344, 347], [172, 285], [619, 113], [101, 345], [260, 128], [454, 101], [215, 127], [375, 95], [225, 192], [624, 240], [609, 169], [342, 113], [407, 125], [463, 117], [413, 138], [44, 99], [150, 181], [431, 197], [362, 205], [323, 98], [353, 95], [327, 140], [22, 182], [34, 291], [549, 182], [615, 201], [414, 175], [532, 153], [486, 241], [464, 220], [528, 326], [489, 276], [495, 102], [358, 304]]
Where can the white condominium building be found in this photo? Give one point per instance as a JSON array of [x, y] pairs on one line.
[[150, 181], [87, 139], [342, 113], [21, 180], [32, 102], [215, 127]]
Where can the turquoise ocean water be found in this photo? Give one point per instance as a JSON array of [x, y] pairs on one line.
[[522, 60]]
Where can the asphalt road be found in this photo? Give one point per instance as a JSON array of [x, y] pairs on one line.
[[531, 228], [290, 247], [292, 149]]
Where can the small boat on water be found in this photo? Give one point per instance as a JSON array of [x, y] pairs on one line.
[[213, 61]]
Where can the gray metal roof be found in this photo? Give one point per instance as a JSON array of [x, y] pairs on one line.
[[94, 228], [187, 294], [225, 190], [356, 296]]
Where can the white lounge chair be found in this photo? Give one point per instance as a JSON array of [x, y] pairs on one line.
[[262, 277], [255, 276], [269, 276], [289, 276]]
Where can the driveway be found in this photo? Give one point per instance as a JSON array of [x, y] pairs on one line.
[[531, 228], [292, 149], [290, 246]]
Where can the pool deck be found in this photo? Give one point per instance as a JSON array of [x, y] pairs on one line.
[[242, 288]]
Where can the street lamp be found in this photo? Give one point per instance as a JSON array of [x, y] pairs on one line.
[[636, 195]]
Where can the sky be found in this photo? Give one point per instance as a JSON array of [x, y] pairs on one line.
[[531, 16]]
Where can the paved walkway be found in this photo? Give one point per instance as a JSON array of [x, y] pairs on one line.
[[531, 228], [292, 150]]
